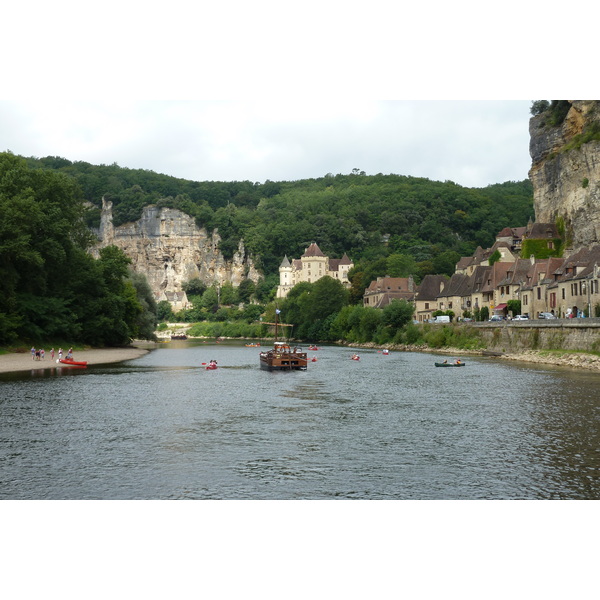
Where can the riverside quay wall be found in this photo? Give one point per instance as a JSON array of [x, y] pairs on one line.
[[540, 334]]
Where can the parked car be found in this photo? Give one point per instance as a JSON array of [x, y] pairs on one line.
[[546, 316], [442, 319], [496, 318], [521, 318]]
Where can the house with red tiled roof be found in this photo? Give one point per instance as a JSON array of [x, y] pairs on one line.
[[385, 289], [426, 298], [310, 267]]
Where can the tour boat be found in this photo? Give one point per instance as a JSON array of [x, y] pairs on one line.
[[282, 357], [74, 363]]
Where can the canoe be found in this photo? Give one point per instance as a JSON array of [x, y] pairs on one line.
[[75, 363], [460, 364]]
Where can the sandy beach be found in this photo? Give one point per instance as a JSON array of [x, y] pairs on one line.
[[23, 362]]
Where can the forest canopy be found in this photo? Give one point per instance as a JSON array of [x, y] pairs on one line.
[[369, 217], [50, 285]]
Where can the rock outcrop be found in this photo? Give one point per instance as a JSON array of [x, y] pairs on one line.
[[169, 248], [566, 172]]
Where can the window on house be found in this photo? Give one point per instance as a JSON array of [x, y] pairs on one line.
[[563, 293], [539, 293], [426, 305], [551, 245], [449, 304]]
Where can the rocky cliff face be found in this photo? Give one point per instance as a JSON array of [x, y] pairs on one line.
[[566, 174], [168, 247]]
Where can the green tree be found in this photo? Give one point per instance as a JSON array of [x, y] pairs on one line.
[[147, 319], [228, 294], [194, 287], [495, 257], [245, 290], [164, 311], [514, 306], [401, 265], [398, 313]]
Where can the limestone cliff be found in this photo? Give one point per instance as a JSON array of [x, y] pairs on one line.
[[169, 248], [565, 171]]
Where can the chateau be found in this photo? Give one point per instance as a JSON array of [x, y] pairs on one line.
[[310, 267]]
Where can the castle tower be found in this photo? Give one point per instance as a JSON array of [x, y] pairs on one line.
[[286, 278]]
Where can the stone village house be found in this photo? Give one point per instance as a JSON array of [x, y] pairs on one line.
[[385, 289], [561, 286]]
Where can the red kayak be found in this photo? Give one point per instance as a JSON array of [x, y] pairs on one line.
[[75, 363]]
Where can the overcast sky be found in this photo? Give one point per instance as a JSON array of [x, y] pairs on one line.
[[473, 143], [255, 91]]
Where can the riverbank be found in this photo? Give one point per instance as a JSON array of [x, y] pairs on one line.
[[559, 358], [98, 356]]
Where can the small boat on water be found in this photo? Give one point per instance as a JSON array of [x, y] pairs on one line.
[[355, 357], [73, 363], [313, 348], [447, 364], [211, 366], [283, 358]]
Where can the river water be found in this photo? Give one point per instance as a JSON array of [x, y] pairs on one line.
[[384, 427]]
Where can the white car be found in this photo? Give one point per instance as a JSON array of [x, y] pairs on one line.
[[521, 318]]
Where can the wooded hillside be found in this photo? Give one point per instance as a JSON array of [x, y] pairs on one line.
[[370, 217]]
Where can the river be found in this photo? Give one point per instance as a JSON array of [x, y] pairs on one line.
[[385, 427]]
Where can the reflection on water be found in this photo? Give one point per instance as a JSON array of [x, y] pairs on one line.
[[386, 427]]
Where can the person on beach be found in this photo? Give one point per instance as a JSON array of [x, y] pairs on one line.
[[60, 353], [70, 354], [32, 353], [42, 353], [52, 353]]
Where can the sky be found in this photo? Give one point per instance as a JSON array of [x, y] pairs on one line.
[[265, 91], [473, 143]]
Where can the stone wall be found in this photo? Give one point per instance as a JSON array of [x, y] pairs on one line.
[[567, 334]]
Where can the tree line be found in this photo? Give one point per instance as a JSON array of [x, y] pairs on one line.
[[388, 224], [424, 223], [51, 288]]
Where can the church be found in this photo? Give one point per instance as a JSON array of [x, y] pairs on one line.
[[312, 265]]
